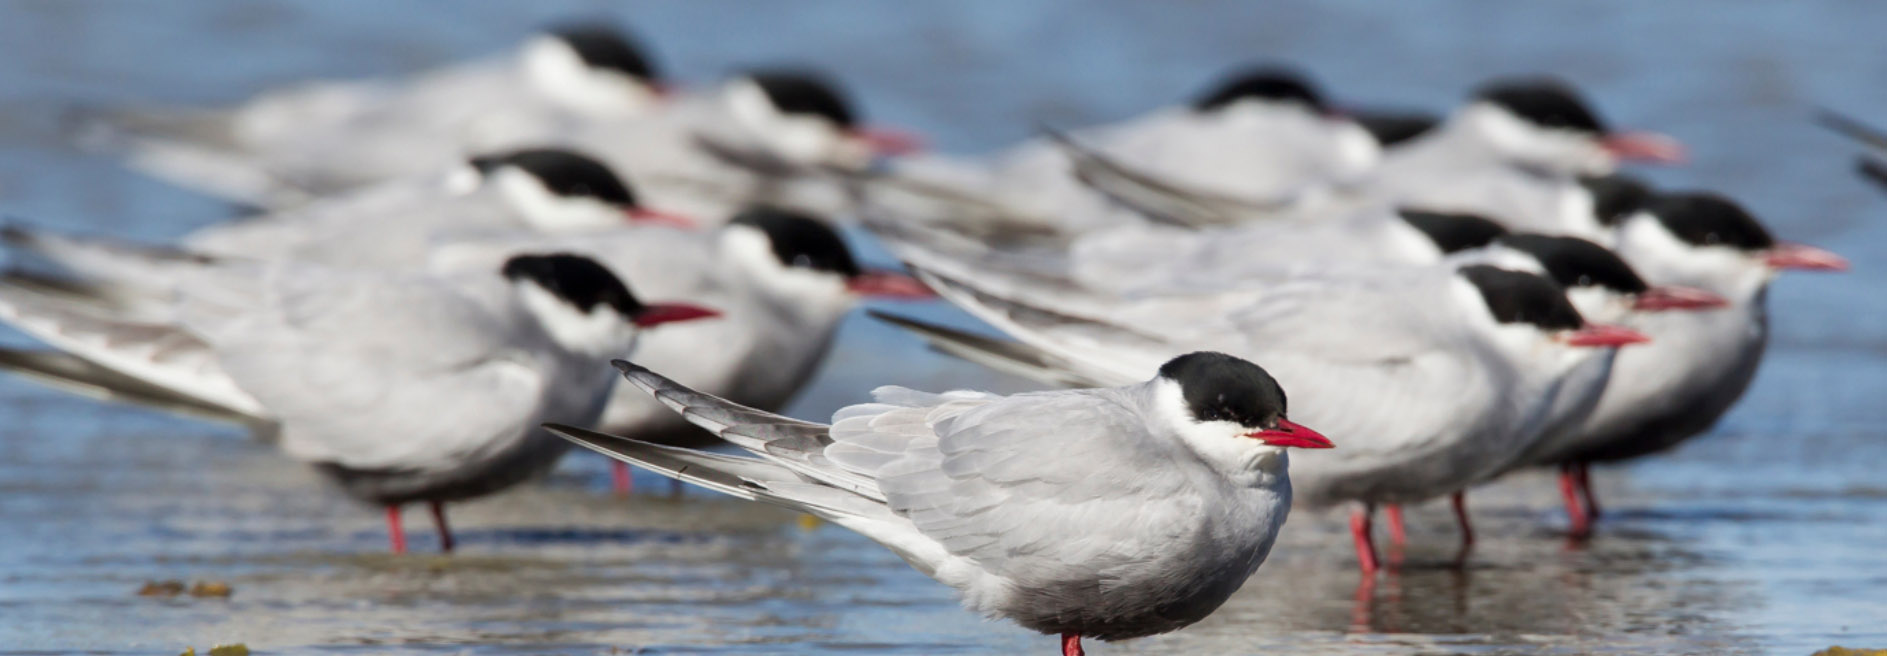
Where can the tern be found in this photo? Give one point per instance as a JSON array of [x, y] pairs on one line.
[[402, 388], [289, 146], [1440, 375], [1109, 513]]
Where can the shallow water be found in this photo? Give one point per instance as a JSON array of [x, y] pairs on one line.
[[1763, 538]]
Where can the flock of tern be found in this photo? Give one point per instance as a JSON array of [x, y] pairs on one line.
[[447, 263]]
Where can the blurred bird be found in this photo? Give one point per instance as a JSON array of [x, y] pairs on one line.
[[1516, 150], [390, 226], [1264, 136], [1699, 363], [1871, 166], [354, 371], [1440, 375], [1109, 513], [782, 280], [286, 147]]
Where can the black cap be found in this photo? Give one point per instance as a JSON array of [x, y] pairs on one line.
[[1543, 101], [1615, 196], [1268, 82], [1515, 297], [1706, 219], [605, 47], [564, 173], [805, 92], [801, 241], [1574, 262], [1219, 387], [1453, 232], [574, 278]]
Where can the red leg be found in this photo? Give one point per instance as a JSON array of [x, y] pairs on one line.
[[445, 532], [1397, 534], [1569, 490], [619, 478], [1585, 489], [1365, 547], [1071, 645], [394, 532], [1461, 518]]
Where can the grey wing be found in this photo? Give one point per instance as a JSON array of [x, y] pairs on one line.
[[376, 371], [1033, 487]]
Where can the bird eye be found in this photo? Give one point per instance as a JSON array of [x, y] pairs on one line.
[[1712, 238], [1583, 281]]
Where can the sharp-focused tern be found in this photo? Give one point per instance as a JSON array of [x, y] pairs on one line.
[[1108, 513]]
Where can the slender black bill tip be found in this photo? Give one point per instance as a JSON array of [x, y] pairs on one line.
[[566, 173], [603, 46], [626, 367], [805, 93], [1516, 297], [1544, 101], [1574, 262], [1707, 219], [578, 280], [801, 241], [1615, 196], [1453, 232], [1269, 83]]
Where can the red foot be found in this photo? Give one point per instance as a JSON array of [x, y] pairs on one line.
[[1071, 645], [445, 532], [1585, 490], [1460, 500], [395, 533], [1365, 547], [619, 478], [1580, 525], [1398, 535]]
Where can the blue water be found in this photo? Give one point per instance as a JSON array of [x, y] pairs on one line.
[[1765, 537]]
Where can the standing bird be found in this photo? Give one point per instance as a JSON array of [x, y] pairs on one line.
[[1438, 376], [1263, 135], [1699, 363], [391, 226], [783, 281], [289, 146], [402, 388], [1181, 487], [1516, 151]]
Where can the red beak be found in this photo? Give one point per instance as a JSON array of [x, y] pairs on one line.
[[1599, 334], [658, 217], [655, 314], [889, 141], [1288, 434], [889, 284], [1674, 297], [1788, 255], [1644, 147]]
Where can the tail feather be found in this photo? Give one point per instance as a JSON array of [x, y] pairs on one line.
[[161, 355], [1002, 355], [76, 375], [192, 148], [746, 478], [791, 443], [1160, 200]]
